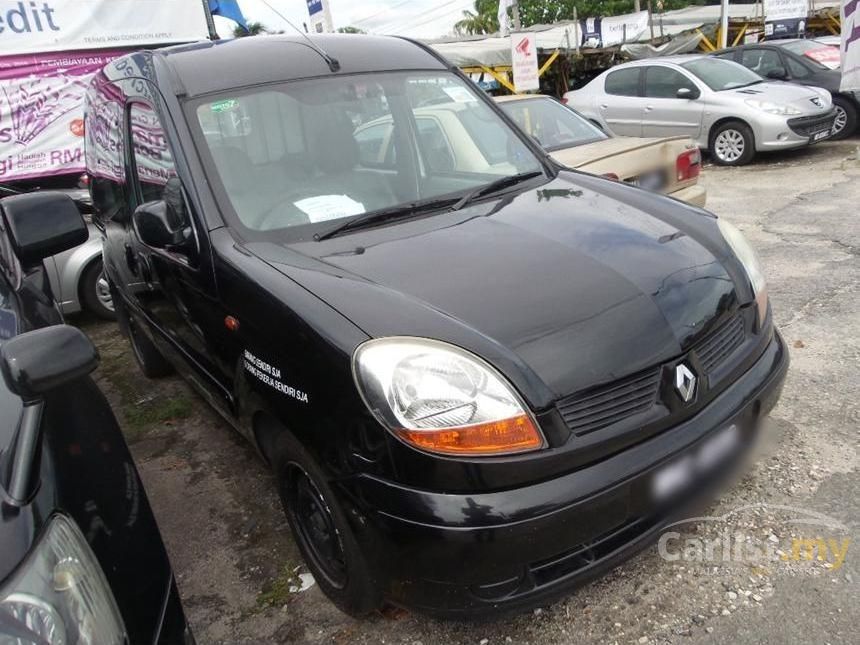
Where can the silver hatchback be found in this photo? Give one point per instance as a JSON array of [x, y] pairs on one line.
[[726, 108]]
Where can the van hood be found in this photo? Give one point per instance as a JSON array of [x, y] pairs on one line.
[[579, 281]]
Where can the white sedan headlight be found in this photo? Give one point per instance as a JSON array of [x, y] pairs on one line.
[[772, 108], [443, 399], [59, 595], [748, 258]]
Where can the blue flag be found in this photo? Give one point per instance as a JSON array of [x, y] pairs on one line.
[[228, 9]]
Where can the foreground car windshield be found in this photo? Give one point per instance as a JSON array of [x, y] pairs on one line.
[[295, 156], [721, 74], [553, 125]]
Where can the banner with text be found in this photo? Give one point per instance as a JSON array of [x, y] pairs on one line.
[[524, 60], [785, 18], [38, 26], [41, 112], [850, 46]]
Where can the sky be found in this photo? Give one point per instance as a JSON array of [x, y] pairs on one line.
[[417, 18]]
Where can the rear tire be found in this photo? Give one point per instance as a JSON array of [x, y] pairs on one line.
[[95, 292], [732, 144], [321, 529], [846, 118], [151, 361]]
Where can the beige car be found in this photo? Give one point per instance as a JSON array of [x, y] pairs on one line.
[[667, 164]]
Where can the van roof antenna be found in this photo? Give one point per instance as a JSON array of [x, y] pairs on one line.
[[331, 61]]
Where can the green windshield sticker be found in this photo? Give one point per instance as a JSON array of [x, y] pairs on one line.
[[223, 106]]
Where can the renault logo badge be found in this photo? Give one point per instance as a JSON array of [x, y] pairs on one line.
[[685, 382]]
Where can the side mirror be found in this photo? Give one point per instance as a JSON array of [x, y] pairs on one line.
[[32, 365], [42, 224], [777, 73], [39, 361], [164, 224], [687, 93]]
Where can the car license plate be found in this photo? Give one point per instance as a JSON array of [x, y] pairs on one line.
[[676, 476], [818, 136]]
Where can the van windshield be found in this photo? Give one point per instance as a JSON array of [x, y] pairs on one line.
[[296, 156]]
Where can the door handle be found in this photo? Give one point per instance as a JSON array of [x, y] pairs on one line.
[[603, 106], [648, 108]]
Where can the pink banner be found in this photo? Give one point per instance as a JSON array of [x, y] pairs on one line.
[[42, 112]]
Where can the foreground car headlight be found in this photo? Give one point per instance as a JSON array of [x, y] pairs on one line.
[[59, 595], [772, 108], [748, 258], [440, 398]]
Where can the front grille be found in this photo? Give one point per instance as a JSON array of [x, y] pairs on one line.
[[605, 405], [719, 345], [608, 404], [806, 126]]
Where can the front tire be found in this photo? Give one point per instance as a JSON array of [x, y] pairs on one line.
[[732, 144], [322, 531], [95, 292], [846, 118], [151, 361]]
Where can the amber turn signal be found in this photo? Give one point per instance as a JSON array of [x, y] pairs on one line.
[[516, 434]]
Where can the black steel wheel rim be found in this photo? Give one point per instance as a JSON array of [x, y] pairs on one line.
[[316, 528]]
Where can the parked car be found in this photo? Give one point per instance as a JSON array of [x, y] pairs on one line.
[[76, 275], [794, 61], [82, 559], [726, 108], [475, 389], [665, 164]]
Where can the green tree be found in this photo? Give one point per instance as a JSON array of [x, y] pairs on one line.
[[483, 20], [350, 30], [254, 29]]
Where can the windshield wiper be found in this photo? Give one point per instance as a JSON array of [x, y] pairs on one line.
[[384, 215], [498, 184]]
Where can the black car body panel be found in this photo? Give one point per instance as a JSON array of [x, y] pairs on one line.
[[573, 287], [86, 473]]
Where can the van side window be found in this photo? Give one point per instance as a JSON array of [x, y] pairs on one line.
[[153, 161], [624, 82], [105, 149]]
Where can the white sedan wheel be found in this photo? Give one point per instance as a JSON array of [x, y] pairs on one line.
[[729, 145]]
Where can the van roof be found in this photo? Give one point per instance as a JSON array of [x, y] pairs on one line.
[[211, 66]]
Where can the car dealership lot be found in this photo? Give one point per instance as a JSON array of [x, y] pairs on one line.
[[235, 561]]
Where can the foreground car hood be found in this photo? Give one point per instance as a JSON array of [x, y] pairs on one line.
[[578, 286]]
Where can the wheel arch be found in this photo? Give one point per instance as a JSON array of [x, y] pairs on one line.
[[728, 119]]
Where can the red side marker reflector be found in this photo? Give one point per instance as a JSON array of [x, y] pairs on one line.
[[231, 323]]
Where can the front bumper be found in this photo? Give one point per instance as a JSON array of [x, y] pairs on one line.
[[774, 132], [468, 555]]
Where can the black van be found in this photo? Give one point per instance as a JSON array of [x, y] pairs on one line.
[[479, 378], [82, 559]]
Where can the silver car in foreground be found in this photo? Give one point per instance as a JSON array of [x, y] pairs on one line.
[[726, 108]]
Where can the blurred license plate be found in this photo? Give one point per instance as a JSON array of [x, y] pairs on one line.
[[818, 136], [678, 475]]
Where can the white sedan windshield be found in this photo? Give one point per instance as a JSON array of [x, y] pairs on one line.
[[721, 74], [313, 151]]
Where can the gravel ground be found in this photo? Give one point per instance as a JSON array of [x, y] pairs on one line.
[[236, 563]]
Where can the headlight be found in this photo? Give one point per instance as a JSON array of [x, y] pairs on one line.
[[772, 108], [59, 595], [748, 258], [440, 398]]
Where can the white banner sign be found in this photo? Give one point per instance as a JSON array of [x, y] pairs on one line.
[[524, 59], [785, 9], [40, 26], [850, 46]]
